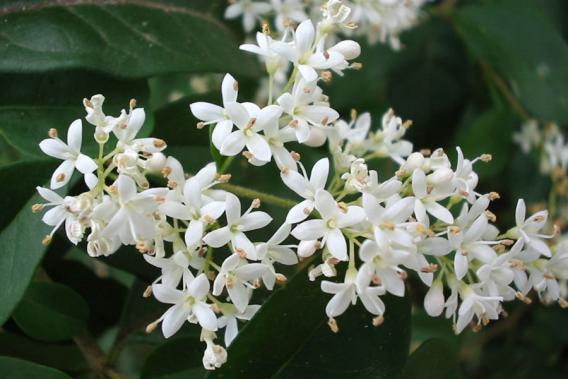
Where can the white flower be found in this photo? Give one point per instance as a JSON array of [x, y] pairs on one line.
[[434, 300], [214, 355], [484, 308], [272, 60], [381, 266], [65, 210], [343, 294], [307, 110], [70, 153], [249, 9], [387, 141], [305, 188], [249, 125], [133, 219], [127, 127], [173, 268], [187, 304], [329, 227], [427, 201], [236, 274], [230, 317], [214, 114], [288, 11], [236, 226], [528, 229], [194, 209], [272, 251]]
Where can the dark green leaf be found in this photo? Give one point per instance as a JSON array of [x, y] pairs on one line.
[[522, 45], [60, 356], [131, 38], [51, 312], [176, 359], [13, 197], [12, 368], [20, 252], [434, 359], [358, 350]]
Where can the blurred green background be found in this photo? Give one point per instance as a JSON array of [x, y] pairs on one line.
[[468, 75]]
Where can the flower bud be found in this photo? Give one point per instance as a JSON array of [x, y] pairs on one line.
[[434, 299], [156, 162], [316, 137], [214, 356], [441, 176], [349, 49], [414, 161], [308, 248]]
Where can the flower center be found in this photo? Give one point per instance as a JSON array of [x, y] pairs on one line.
[[331, 224]]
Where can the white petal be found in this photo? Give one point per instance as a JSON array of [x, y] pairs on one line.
[[239, 114], [300, 212], [206, 111], [520, 212], [305, 35], [75, 135], [368, 250], [338, 304], [259, 147], [205, 316], [85, 164], [461, 265], [239, 296], [166, 294], [309, 74], [296, 182], [232, 208], [231, 331], [320, 171], [354, 215], [218, 237], [194, 233], [175, 210], [233, 143], [221, 132], [241, 242], [255, 220], [49, 195], [199, 287], [440, 212], [326, 205], [54, 216], [229, 89], [54, 148], [336, 244], [174, 319], [126, 188], [309, 230], [419, 183], [65, 171]]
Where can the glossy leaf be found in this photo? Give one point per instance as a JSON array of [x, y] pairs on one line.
[[523, 45], [434, 359], [176, 359], [51, 312], [12, 368], [26, 175], [130, 38]]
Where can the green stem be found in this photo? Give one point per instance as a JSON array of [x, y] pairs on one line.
[[270, 88], [226, 165], [208, 259], [252, 194], [291, 80]]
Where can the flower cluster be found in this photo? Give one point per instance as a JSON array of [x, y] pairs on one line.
[[425, 219], [377, 20]]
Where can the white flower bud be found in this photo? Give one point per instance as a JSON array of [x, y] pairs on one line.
[[214, 356], [434, 299], [308, 248], [316, 137], [441, 176], [156, 162], [414, 161], [349, 49]]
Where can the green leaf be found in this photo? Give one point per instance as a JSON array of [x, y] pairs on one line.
[[51, 312], [15, 196], [12, 368], [131, 38], [21, 251], [31, 104], [60, 356], [358, 350], [434, 359], [523, 45], [176, 359]]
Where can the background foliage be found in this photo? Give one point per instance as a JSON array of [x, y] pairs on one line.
[[468, 75]]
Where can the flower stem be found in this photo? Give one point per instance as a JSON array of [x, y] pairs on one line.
[[252, 194], [226, 165], [291, 80]]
